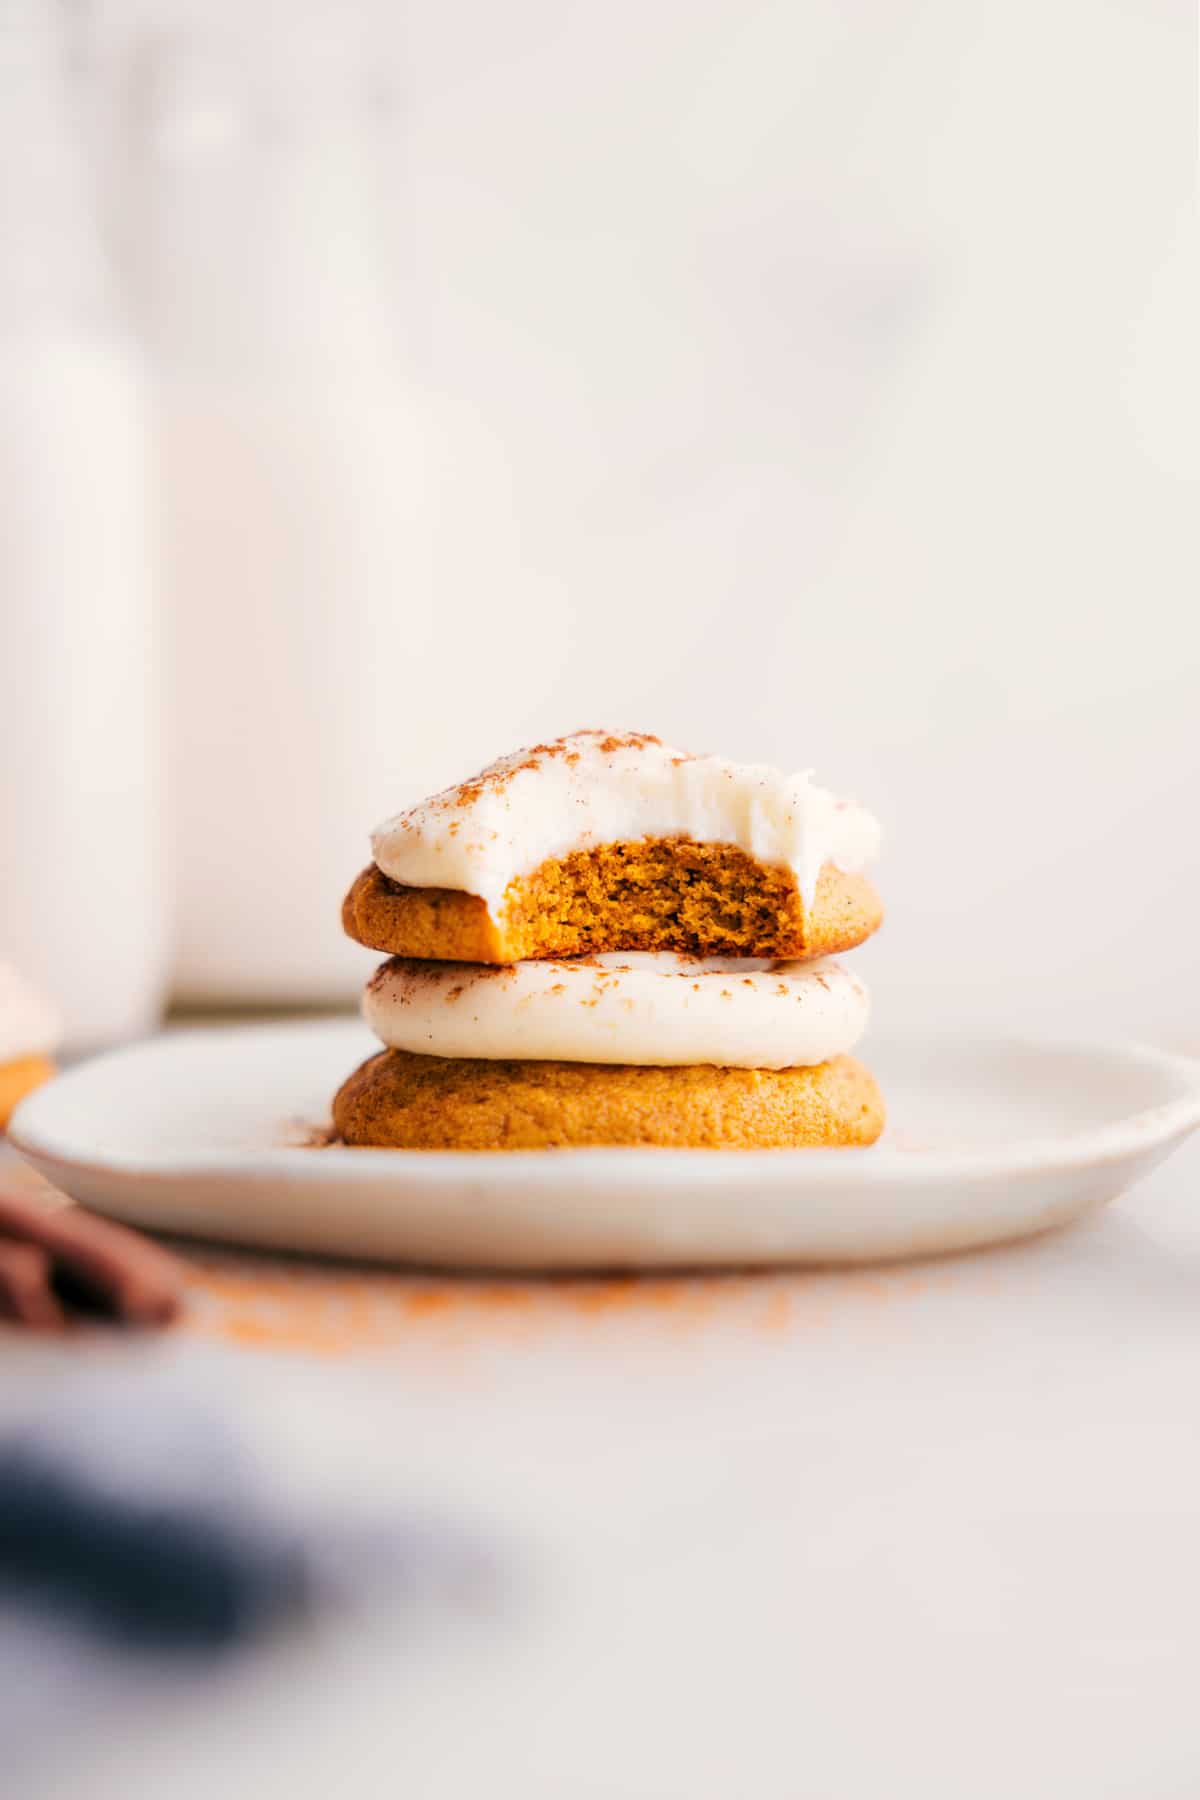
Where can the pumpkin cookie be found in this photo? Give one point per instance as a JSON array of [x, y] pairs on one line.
[[28, 1036], [601, 842], [20, 1078], [400, 1101], [664, 894]]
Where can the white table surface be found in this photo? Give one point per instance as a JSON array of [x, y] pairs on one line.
[[929, 1530]]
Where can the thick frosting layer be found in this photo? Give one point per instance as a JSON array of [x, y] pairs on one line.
[[599, 787], [736, 1012], [28, 1023]]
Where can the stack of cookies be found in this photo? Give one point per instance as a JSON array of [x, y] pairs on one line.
[[605, 941]]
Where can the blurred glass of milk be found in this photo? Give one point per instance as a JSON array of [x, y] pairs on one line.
[[289, 468], [81, 892]]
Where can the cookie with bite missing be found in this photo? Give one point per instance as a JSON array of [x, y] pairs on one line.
[[693, 899], [602, 842]]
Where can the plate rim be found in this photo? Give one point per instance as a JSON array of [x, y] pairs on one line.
[[1089, 1147]]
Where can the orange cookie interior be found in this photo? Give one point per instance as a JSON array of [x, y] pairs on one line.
[[653, 894]]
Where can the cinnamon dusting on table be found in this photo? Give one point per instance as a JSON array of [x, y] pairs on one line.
[[337, 1311]]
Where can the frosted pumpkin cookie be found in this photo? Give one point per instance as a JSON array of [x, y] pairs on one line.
[[601, 842], [401, 1101], [694, 1052], [28, 1038]]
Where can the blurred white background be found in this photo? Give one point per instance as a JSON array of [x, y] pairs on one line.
[[812, 382]]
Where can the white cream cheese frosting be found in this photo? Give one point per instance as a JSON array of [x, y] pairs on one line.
[[599, 787], [28, 1023], [627, 1007]]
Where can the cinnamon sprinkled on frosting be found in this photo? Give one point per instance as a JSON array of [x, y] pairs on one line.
[[627, 1008], [599, 787]]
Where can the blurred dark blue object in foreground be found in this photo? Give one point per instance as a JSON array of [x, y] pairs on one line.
[[129, 1505], [161, 1571]]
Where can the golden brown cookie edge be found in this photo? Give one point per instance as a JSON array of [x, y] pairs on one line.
[[400, 1100], [447, 925]]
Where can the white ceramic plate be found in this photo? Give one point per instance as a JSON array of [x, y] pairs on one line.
[[205, 1133]]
